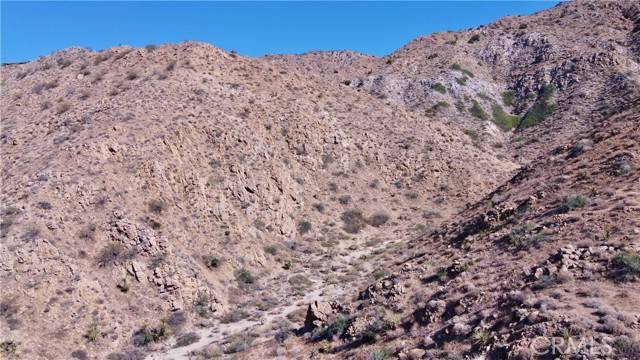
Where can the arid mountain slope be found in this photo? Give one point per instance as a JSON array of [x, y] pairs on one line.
[[184, 202], [122, 169]]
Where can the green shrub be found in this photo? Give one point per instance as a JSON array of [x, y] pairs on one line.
[[234, 316], [439, 88], [540, 109], [503, 120], [455, 66], [627, 262], [353, 221], [468, 73], [92, 333], [481, 338], [271, 249], [378, 219], [344, 199], [381, 354], [473, 39], [572, 203], [210, 261], [147, 335], [440, 105], [508, 97], [238, 343], [304, 227], [8, 347], [244, 276], [477, 111], [379, 274], [462, 81], [521, 240], [336, 328], [471, 134]]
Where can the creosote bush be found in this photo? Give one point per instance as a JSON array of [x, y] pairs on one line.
[[353, 221]]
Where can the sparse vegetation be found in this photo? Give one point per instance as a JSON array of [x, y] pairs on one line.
[[626, 265], [147, 334], [540, 109], [244, 276], [157, 206], [477, 111], [381, 354], [304, 227], [8, 347], [439, 88], [378, 219], [503, 120], [92, 332], [572, 203], [473, 39], [508, 97], [353, 221], [233, 316], [271, 249]]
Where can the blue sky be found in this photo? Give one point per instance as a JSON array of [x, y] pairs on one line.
[[32, 29]]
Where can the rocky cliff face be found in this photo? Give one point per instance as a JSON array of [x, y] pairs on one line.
[[451, 199]]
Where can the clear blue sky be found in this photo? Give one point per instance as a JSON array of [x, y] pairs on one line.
[[32, 29]]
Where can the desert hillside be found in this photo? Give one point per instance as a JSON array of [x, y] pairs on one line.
[[459, 198]]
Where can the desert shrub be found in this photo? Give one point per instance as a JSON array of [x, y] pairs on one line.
[[171, 65], [132, 75], [319, 207], [627, 348], [186, 339], [102, 57], [503, 120], [468, 73], [244, 276], [477, 111], [521, 240], [440, 105], [378, 219], [471, 134], [473, 39], [234, 316], [336, 328], [380, 354], [626, 265], [379, 274], [157, 206], [8, 347], [63, 63], [84, 94], [271, 249], [344, 199], [508, 97], [353, 221], [540, 109], [110, 253], [572, 203], [151, 47], [124, 285], [439, 88], [300, 281], [122, 54], [62, 108], [80, 355], [146, 334], [461, 81], [238, 343], [481, 338], [177, 320], [92, 333], [304, 227], [455, 66]]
